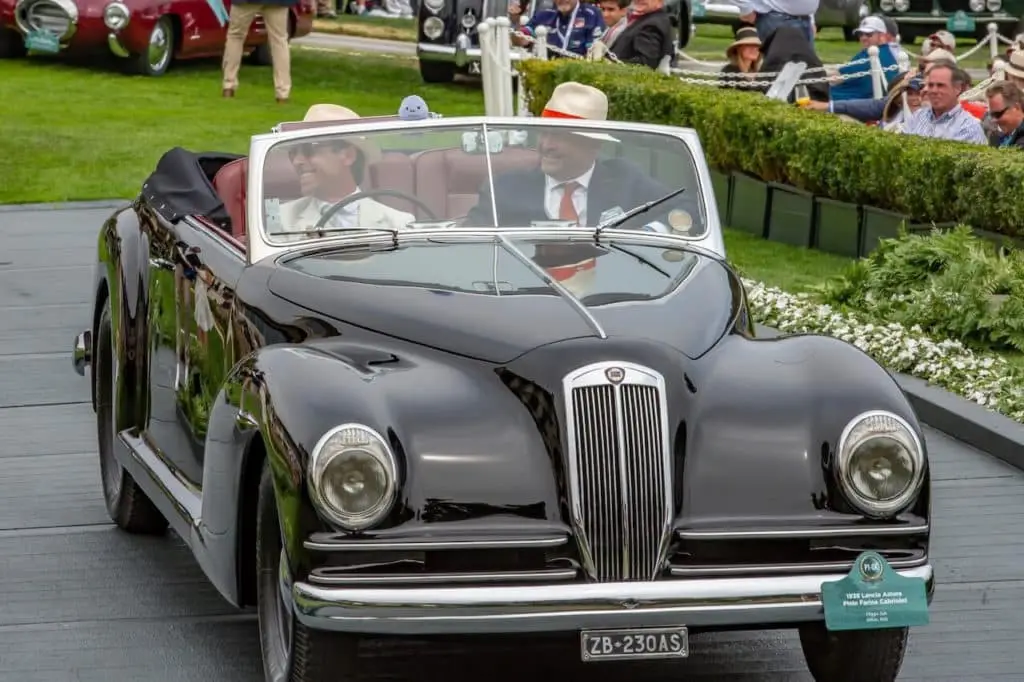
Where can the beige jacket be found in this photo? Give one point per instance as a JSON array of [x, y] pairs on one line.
[[303, 214]]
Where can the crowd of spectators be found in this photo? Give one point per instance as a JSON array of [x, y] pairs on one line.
[[932, 98]]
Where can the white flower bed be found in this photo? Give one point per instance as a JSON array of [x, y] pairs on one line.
[[986, 379]]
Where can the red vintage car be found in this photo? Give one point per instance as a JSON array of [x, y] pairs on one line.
[[150, 34]]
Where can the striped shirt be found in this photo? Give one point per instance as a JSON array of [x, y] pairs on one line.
[[956, 124]]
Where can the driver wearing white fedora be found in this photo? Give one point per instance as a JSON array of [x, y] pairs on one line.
[[572, 183], [330, 171]]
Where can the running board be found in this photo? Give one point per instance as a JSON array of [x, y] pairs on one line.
[[180, 504]]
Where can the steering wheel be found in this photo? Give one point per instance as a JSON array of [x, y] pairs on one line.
[[337, 206]]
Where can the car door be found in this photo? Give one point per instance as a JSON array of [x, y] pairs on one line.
[[193, 270], [204, 26]]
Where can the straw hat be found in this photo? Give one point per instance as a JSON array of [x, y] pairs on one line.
[[578, 101], [1015, 64], [324, 113], [745, 35], [940, 40], [939, 54]]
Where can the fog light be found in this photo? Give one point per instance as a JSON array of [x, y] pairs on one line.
[[116, 16], [433, 28]]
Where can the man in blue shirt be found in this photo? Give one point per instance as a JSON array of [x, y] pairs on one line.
[[572, 25], [872, 31]]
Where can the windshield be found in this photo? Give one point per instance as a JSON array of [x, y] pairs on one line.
[[477, 176]]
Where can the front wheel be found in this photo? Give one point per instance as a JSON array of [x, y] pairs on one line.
[[127, 505], [437, 72], [157, 57], [291, 651], [853, 655]]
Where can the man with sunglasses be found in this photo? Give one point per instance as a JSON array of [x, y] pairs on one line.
[[330, 170], [1006, 108]]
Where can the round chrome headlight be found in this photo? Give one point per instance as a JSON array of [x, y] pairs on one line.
[[976, 5], [352, 476], [880, 463], [434, 6], [994, 5], [433, 28], [116, 16], [886, 5], [901, 5]]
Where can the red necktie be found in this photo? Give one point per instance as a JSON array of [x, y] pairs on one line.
[[566, 209]]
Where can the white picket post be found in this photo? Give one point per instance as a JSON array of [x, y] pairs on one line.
[[998, 69], [540, 44], [504, 67], [484, 32], [877, 75], [993, 40]]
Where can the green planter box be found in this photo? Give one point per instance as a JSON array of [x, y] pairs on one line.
[[790, 215], [749, 204], [879, 224], [721, 184], [837, 227]]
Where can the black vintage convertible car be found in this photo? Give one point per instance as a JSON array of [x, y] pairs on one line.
[[381, 379]]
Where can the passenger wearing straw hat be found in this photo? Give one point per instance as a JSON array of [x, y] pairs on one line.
[[331, 170], [571, 183], [744, 53]]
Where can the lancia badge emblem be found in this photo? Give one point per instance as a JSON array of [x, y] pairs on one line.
[[615, 374]]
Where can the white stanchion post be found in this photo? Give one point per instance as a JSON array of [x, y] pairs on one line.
[[993, 40], [540, 44], [484, 31], [998, 69], [504, 66], [903, 60], [877, 75]]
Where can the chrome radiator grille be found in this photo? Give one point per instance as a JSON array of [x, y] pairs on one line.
[[619, 469], [53, 16]]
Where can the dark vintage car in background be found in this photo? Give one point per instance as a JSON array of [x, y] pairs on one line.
[[148, 34], [447, 41], [963, 18], [451, 415]]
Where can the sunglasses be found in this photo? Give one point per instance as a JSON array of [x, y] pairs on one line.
[[309, 149], [996, 115]]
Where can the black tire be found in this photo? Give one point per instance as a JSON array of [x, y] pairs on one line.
[[156, 60], [853, 655], [437, 72], [12, 45], [127, 505], [291, 651]]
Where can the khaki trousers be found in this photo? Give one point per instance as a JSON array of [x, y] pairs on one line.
[[275, 17]]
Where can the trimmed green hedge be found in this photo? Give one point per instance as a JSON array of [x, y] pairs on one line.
[[930, 180]]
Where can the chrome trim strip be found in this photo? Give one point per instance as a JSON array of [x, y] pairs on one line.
[[441, 578], [566, 607], [576, 303], [595, 375], [791, 533], [689, 571], [430, 545]]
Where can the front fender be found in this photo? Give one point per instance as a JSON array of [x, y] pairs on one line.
[[466, 447], [764, 429]]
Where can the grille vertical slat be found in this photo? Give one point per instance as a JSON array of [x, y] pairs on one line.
[[618, 470]]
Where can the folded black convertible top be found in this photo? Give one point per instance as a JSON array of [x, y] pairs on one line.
[[182, 185]]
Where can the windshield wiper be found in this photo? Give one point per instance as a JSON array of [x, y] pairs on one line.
[[642, 208], [322, 231]]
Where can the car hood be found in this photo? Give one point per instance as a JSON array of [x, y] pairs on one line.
[[486, 301]]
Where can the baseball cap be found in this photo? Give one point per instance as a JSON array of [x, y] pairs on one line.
[[891, 27], [871, 25]]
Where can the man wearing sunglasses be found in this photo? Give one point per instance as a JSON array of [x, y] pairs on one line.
[[1006, 108], [330, 170]]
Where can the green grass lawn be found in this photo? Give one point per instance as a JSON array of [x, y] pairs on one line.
[[76, 133], [708, 44]]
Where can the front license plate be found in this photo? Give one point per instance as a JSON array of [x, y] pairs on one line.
[[42, 41], [617, 645]]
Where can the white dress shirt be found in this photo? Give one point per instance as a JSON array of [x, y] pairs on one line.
[[346, 216], [553, 191]]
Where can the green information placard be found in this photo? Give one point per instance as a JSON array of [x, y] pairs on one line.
[[960, 23], [874, 596]]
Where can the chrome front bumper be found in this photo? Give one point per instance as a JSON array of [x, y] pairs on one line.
[[979, 21], [460, 55], [708, 603]]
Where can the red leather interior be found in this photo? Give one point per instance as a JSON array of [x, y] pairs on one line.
[[448, 180], [231, 182]]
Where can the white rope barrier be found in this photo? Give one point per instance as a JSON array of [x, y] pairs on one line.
[[499, 75]]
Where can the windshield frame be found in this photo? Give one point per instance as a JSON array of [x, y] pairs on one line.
[[261, 246]]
